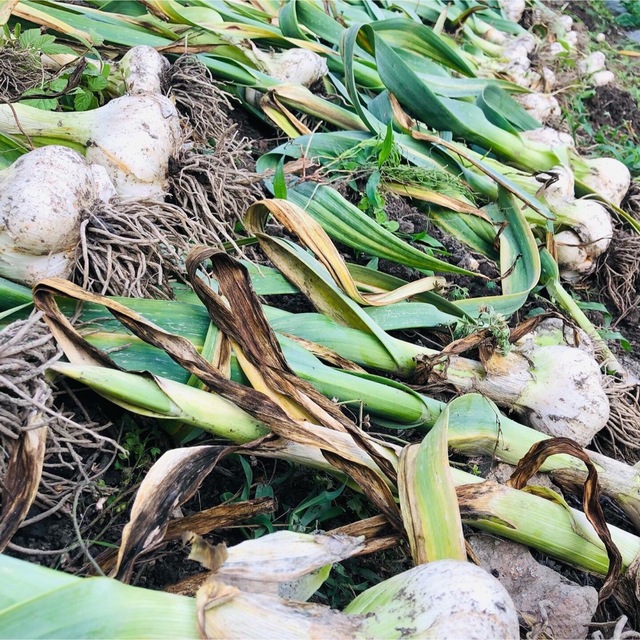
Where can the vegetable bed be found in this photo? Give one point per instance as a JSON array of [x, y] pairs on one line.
[[319, 319]]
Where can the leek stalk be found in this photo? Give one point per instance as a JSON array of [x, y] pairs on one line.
[[493, 509]]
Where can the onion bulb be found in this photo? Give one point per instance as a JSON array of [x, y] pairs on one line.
[[558, 388], [512, 9], [60, 217], [294, 66], [565, 21], [549, 137], [561, 189], [589, 237], [590, 226], [573, 259], [142, 70], [44, 196], [592, 222], [571, 39], [593, 68], [541, 106], [442, 599], [592, 63], [601, 78], [584, 228], [608, 177], [132, 137]]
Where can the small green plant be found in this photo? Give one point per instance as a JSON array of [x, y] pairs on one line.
[[141, 450], [318, 506], [373, 203], [458, 293], [342, 585], [496, 323], [76, 87], [312, 512], [630, 19], [378, 160]]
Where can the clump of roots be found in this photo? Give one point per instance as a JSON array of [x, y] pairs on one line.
[[213, 178], [20, 70], [75, 454], [134, 249], [215, 185], [620, 438], [619, 272], [631, 202], [200, 99]]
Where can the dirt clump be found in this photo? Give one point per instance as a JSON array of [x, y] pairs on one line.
[[612, 106]]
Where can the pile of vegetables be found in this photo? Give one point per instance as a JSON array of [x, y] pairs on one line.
[[122, 174]]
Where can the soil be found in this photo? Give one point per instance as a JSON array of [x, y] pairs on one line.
[[611, 106], [591, 20]]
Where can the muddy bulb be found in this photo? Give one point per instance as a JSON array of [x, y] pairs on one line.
[[557, 388], [573, 259], [142, 69], [44, 196], [445, 599], [608, 177], [512, 9]]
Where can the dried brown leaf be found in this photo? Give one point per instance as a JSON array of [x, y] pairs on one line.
[[219, 517], [210, 556], [262, 360], [203, 522], [377, 531], [530, 464], [170, 482], [22, 478]]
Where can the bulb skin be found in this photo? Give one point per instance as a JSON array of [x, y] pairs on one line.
[[44, 196], [134, 138], [444, 599], [142, 69]]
